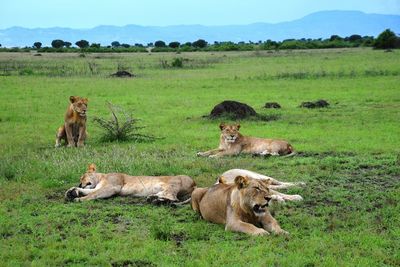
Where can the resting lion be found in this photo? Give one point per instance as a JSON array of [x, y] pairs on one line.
[[74, 129], [233, 143], [241, 206], [229, 176], [159, 189]]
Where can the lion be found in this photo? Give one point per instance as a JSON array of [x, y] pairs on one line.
[[241, 206], [229, 176], [232, 142], [158, 189], [74, 129]]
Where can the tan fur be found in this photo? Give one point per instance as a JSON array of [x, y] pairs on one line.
[[242, 206], [229, 176], [74, 129], [232, 142], [160, 189]]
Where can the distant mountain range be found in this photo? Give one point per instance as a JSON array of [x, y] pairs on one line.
[[316, 25]]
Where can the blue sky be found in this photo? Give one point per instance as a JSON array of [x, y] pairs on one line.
[[91, 13]]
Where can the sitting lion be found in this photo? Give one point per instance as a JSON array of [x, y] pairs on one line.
[[74, 129], [241, 206], [233, 143], [159, 189]]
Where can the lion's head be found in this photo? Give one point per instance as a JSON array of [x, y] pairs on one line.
[[254, 194], [230, 132], [89, 179], [79, 105]]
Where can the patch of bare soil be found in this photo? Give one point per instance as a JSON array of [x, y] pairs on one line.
[[122, 74], [232, 109], [272, 105], [316, 104]]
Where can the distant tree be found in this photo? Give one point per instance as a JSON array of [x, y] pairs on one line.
[[355, 38], [67, 44], [82, 44], [115, 44], [95, 45], [387, 39], [57, 43], [368, 40], [138, 45], [174, 44], [159, 43], [335, 38], [199, 43], [37, 45], [187, 44], [125, 45], [150, 44]]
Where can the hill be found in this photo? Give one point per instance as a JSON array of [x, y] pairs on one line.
[[316, 25]]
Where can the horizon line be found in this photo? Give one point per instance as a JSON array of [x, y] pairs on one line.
[[203, 25]]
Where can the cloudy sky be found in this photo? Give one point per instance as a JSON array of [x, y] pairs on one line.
[[91, 13]]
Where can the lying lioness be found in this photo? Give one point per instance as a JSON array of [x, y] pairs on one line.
[[242, 206], [229, 176], [232, 143], [74, 129], [160, 189]]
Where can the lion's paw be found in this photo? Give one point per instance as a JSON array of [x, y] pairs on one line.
[[281, 232], [260, 231], [71, 194], [296, 198], [278, 198]]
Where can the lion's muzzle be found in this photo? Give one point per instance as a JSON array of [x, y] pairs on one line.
[[230, 138]]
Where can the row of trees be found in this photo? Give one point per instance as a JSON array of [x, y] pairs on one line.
[[386, 40]]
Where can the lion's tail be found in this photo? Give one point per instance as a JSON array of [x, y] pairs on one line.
[[183, 202], [291, 152]]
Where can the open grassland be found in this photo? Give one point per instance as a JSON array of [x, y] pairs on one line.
[[349, 156]]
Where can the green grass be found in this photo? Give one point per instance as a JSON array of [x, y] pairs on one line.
[[349, 157]]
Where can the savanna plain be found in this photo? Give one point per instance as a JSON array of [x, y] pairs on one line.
[[348, 155]]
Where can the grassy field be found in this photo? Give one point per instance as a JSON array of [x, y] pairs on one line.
[[349, 156]]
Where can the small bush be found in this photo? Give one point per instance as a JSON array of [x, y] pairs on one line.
[[121, 126], [177, 63], [26, 72]]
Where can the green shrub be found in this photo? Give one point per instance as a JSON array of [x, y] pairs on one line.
[[121, 126], [177, 63]]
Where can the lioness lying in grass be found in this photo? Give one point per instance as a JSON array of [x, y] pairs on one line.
[[232, 142], [158, 189], [229, 176], [242, 206]]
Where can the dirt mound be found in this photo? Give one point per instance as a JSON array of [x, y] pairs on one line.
[[272, 105], [122, 74], [233, 109], [316, 104]]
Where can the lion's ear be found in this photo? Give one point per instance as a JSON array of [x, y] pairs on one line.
[[72, 98], [85, 100], [221, 180], [241, 181], [92, 168], [222, 125], [238, 126]]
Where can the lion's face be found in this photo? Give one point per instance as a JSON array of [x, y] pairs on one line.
[[79, 105], [230, 132], [255, 194], [89, 179]]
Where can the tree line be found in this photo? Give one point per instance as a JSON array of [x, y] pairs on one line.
[[386, 40]]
